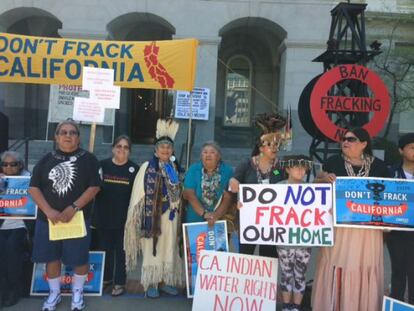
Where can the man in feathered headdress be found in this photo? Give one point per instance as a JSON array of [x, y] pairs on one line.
[[153, 217]]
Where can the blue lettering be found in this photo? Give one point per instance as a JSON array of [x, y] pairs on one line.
[[55, 66], [90, 63], [290, 192], [136, 73], [44, 68], [16, 45], [29, 69], [82, 48], [31, 45], [78, 69], [108, 50], [98, 50], [311, 199], [6, 71], [68, 46], [17, 68], [323, 193], [126, 50], [50, 44], [5, 43]]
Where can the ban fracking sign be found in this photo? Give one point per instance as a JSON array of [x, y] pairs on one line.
[[283, 214], [167, 64], [322, 103]]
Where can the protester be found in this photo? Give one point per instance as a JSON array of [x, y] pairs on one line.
[[205, 186], [261, 168], [64, 182], [294, 261], [153, 217], [401, 243], [110, 211], [350, 275], [13, 239]]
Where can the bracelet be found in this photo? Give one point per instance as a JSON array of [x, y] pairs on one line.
[[204, 213], [75, 207]]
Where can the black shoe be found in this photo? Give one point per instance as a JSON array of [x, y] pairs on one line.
[[11, 299]]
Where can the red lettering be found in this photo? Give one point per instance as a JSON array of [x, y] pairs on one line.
[[259, 213], [275, 215], [292, 216], [318, 217], [302, 218]]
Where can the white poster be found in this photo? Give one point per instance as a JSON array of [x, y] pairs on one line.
[[61, 103], [199, 107], [230, 281], [88, 110], [286, 214]]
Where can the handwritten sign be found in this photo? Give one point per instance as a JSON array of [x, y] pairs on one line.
[[197, 237], [230, 281], [286, 214], [377, 203], [15, 201]]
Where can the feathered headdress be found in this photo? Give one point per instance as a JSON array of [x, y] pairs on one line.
[[166, 131], [270, 125]]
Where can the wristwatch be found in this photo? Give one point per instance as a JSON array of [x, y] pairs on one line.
[[75, 207]]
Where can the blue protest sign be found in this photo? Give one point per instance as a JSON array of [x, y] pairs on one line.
[[379, 203], [199, 236], [15, 201], [93, 284], [390, 304]]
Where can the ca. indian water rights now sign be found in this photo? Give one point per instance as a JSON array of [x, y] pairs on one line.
[[283, 214], [235, 282], [379, 203]]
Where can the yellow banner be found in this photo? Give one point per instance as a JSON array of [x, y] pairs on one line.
[[168, 64]]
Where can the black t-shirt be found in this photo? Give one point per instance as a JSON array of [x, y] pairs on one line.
[[64, 177], [336, 165], [245, 173], [111, 204]]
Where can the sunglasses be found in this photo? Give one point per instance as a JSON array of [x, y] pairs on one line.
[[125, 147], [9, 164], [350, 139], [66, 133]]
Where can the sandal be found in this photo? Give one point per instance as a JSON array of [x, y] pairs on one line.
[[118, 290]]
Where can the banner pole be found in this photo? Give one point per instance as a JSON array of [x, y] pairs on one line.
[[187, 162], [92, 137]]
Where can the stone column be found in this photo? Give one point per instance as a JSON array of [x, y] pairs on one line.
[[206, 77]]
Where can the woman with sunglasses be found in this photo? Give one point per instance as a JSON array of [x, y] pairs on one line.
[[261, 168], [13, 238], [350, 275], [110, 211]]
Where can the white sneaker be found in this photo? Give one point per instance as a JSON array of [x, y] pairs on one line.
[[77, 300], [52, 301]]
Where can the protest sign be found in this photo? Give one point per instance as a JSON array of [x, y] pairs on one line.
[[197, 237], [199, 105], [61, 102], [390, 304], [93, 284], [166, 64], [15, 201], [230, 281], [286, 214], [379, 203]]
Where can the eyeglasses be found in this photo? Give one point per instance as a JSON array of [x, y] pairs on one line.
[[350, 139], [125, 147], [9, 164], [66, 133]]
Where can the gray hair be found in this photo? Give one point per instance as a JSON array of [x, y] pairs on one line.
[[212, 144], [67, 122], [12, 154]]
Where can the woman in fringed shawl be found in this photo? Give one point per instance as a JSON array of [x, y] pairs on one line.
[[153, 221]]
